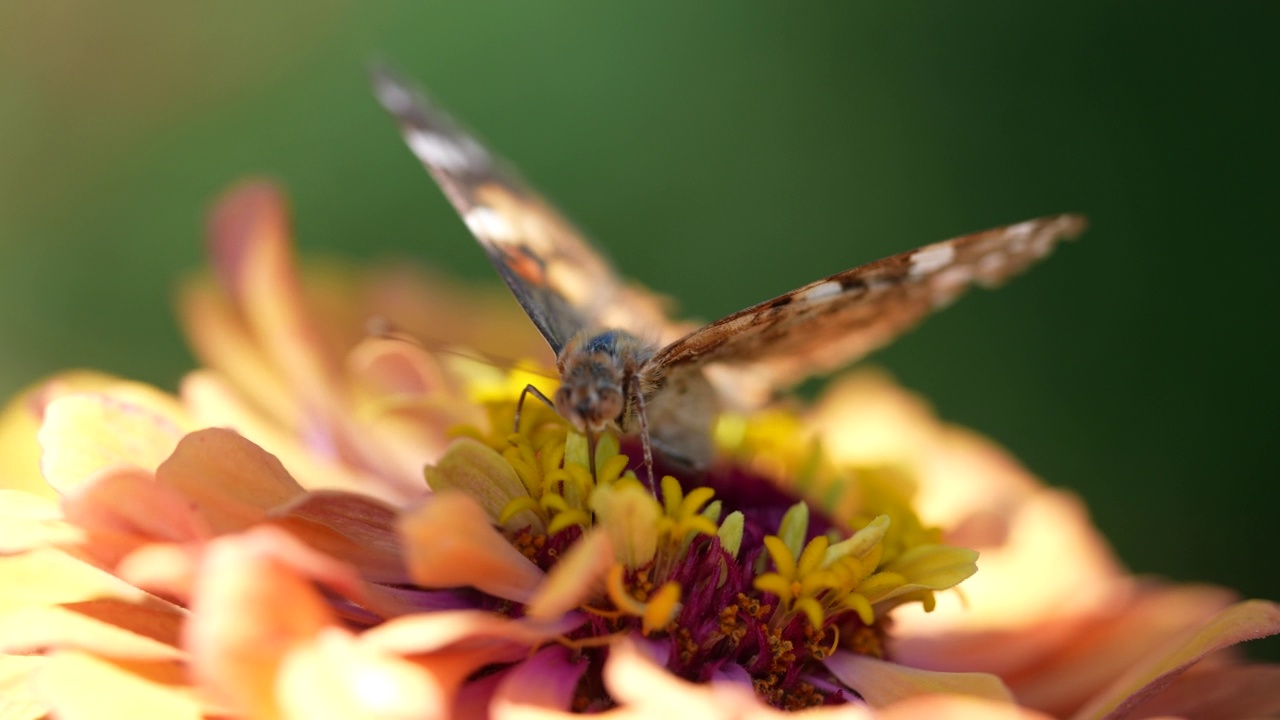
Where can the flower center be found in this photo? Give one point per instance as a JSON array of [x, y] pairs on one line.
[[732, 574]]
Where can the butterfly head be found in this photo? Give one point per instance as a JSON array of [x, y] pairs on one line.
[[593, 376]]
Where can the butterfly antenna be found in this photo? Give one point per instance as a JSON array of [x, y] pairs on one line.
[[645, 443], [531, 390]]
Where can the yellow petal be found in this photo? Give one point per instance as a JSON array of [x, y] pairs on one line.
[[30, 521], [103, 627], [450, 543], [48, 576], [629, 514], [17, 687], [79, 686], [88, 432], [473, 468], [882, 683]]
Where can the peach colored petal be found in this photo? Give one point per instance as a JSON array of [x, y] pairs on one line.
[[219, 338], [216, 404], [336, 676], [881, 683], [122, 508], [645, 689], [472, 467], [1015, 585], [1223, 693], [30, 521], [449, 543], [951, 707], [540, 686], [87, 432], [81, 686], [578, 575], [352, 528], [250, 248], [1101, 647], [229, 480], [103, 627], [396, 367], [452, 645], [48, 576], [162, 568], [254, 602], [426, 633], [867, 419], [1248, 620]]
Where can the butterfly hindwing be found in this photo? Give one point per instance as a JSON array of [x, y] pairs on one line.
[[834, 321], [562, 282]]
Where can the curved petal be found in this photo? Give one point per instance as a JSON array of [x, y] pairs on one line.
[[355, 529], [881, 683], [122, 508], [251, 250], [87, 432], [951, 707], [1222, 693], [17, 687], [108, 628], [449, 543], [644, 688], [79, 686], [30, 521], [1248, 620], [336, 676], [545, 683], [255, 602], [229, 479], [577, 576]]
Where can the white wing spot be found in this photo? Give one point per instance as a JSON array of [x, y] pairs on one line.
[[948, 284], [440, 151], [397, 99], [488, 223], [821, 291], [931, 259]]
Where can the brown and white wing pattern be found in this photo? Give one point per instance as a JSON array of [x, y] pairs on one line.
[[562, 282], [834, 321]]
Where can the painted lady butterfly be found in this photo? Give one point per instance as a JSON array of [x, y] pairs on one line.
[[622, 362]]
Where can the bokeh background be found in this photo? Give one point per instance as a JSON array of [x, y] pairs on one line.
[[724, 153]]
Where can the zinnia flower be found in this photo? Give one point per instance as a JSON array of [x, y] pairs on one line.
[[331, 523]]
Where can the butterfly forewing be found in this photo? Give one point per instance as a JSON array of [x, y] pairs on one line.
[[834, 321], [564, 284]]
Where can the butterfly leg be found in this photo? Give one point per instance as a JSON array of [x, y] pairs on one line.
[[645, 442], [530, 390]]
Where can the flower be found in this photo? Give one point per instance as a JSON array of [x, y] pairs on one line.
[[265, 544]]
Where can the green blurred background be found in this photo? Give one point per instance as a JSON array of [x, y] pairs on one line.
[[724, 153]]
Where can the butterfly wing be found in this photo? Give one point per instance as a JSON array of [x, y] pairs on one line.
[[834, 321], [560, 280]]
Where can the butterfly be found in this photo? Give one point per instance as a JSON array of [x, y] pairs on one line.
[[622, 363]]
